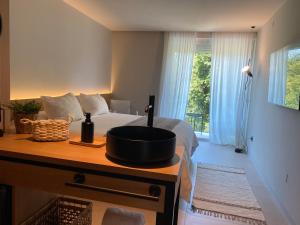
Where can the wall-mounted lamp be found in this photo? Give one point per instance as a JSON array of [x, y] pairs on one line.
[[246, 69]]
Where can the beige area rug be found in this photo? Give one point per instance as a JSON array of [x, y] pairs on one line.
[[225, 192]]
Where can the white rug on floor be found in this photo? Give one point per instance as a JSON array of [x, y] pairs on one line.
[[225, 192]]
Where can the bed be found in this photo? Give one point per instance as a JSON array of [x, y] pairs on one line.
[[185, 136]]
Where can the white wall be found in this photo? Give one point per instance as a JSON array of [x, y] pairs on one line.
[[55, 49], [136, 67], [275, 150]]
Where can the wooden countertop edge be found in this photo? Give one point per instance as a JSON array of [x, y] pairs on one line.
[[60, 163]]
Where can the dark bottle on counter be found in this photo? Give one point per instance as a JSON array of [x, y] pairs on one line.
[[87, 129]]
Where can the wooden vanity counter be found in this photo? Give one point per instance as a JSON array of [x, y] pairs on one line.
[[86, 172], [65, 154]]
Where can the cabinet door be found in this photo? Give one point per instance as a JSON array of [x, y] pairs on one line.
[[5, 205]]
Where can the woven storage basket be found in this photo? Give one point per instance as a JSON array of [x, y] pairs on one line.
[[23, 128], [48, 130], [63, 211]]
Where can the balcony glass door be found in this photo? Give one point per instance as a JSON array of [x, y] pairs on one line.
[[197, 111]]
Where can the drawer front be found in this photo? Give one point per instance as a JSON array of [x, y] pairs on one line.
[[95, 187]]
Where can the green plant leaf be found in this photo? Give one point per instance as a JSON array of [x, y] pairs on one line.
[[30, 107]]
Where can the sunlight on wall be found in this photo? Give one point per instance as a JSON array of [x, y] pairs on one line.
[[84, 9]]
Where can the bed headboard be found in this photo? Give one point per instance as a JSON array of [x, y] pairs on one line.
[[107, 98]]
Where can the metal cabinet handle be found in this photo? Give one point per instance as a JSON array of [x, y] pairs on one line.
[[112, 191]]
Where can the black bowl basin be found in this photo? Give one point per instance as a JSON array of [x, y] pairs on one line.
[[140, 145]]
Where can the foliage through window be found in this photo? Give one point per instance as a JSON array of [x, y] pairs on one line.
[[293, 80], [197, 112]]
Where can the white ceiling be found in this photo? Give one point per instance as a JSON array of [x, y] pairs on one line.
[[178, 15]]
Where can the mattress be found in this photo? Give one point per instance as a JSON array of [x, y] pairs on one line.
[[185, 136]]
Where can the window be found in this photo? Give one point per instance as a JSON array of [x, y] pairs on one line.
[[197, 111]]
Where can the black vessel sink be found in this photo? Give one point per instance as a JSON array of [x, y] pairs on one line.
[[140, 145]]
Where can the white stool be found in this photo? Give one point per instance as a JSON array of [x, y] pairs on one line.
[[115, 216], [120, 106]]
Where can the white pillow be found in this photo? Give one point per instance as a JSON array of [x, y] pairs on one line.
[[120, 106], [62, 107], [42, 115], [94, 104]]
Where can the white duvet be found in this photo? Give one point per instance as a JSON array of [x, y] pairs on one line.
[[184, 136]]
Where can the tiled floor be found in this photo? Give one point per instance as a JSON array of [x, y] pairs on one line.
[[223, 155]]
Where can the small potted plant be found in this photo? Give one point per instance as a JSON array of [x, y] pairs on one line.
[[27, 110]]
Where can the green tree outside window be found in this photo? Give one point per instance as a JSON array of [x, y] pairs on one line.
[[199, 94]]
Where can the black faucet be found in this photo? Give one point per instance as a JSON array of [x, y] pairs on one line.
[[150, 110]]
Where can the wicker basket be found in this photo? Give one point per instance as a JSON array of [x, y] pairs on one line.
[[23, 128], [48, 130], [63, 211]]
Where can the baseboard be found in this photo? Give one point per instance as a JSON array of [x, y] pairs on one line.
[[274, 196]]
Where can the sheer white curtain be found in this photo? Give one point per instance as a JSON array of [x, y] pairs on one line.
[[176, 73], [278, 76], [229, 98]]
